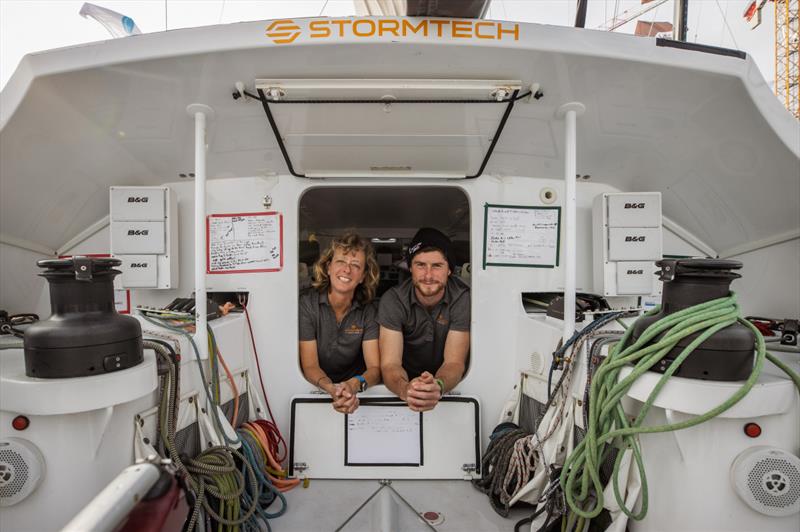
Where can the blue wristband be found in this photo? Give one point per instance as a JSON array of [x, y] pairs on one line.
[[363, 382]]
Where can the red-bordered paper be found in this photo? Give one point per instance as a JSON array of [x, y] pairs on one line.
[[246, 242], [122, 297]]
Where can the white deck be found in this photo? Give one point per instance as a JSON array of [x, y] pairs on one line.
[[327, 504]]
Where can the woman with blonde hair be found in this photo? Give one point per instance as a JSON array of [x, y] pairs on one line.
[[338, 332]]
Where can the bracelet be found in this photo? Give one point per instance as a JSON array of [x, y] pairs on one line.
[[440, 382]]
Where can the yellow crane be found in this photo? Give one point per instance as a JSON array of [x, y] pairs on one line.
[[787, 48]]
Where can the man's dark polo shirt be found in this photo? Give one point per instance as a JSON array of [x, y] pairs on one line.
[[338, 345], [425, 333]]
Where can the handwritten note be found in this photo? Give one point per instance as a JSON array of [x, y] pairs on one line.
[[521, 236], [249, 242], [384, 434]]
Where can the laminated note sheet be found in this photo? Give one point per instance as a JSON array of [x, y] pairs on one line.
[[244, 242], [383, 434], [521, 236]]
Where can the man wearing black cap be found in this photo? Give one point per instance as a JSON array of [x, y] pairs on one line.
[[424, 335]]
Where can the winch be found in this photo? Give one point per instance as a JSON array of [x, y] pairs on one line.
[[727, 355], [84, 334]]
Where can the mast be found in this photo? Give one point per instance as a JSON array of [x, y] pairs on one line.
[[680, 17]]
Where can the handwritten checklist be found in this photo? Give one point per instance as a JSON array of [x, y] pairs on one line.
[[521, 236], [384, 435], [245, 242]]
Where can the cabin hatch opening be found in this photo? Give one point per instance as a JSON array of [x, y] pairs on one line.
[[388, 217]]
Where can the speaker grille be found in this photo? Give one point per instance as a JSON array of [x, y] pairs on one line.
[[13, 473], [536, 364], [768, 480], [775, 483]]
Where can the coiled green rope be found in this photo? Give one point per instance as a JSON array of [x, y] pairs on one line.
[[608, 424]]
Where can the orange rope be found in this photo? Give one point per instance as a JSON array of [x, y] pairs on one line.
[[258, 433], [233, 389]]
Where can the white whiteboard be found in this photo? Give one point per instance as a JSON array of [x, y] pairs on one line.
[[384, 434], [521, 236], [244, 242], [449, 439]]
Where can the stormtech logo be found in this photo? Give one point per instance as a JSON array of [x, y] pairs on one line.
[[283, 31], [286, 31]]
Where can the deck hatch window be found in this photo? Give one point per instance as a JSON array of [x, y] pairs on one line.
[[388, 128]]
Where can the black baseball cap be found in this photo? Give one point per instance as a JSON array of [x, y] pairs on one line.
[[427, 238]]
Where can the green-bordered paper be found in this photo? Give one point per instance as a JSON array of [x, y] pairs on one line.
[[518, 235]]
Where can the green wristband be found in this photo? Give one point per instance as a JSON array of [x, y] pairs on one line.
[[440, 382]]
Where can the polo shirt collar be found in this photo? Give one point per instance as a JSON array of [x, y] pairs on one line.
[[323, 300]]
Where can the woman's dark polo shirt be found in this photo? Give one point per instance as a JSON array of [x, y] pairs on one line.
[[425, 333], [338, 345]]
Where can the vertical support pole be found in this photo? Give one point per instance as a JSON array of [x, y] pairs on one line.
[[570, 112], [580, 14], [680, 19], [200, 113]]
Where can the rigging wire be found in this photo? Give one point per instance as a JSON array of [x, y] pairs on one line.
[[725, 22], [221, 11], [697, 22]]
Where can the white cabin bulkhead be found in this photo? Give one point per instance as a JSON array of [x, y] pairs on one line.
[[223, 160]]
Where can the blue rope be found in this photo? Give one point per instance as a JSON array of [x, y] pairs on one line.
[[267, 491]]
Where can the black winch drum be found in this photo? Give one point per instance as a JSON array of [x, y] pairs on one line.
[[84, 334], [729, 354]]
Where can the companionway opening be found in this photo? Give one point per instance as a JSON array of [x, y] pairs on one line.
[[388, 217]]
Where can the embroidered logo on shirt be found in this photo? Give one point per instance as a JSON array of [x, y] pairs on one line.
[[441, 320], [354, 329]]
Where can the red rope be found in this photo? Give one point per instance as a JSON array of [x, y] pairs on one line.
[[274, 436]]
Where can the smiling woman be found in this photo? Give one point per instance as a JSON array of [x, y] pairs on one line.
[[338, 331]]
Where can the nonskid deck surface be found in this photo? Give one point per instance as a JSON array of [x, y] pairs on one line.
[[328, 504]]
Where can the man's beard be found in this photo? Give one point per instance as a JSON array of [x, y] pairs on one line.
[[429, 290]]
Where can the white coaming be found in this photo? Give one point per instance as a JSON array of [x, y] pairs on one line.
[[53, 397]]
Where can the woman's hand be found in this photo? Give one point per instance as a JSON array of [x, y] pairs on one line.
[[345, 399]]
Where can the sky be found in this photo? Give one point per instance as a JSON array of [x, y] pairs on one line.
[[35, 25]]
